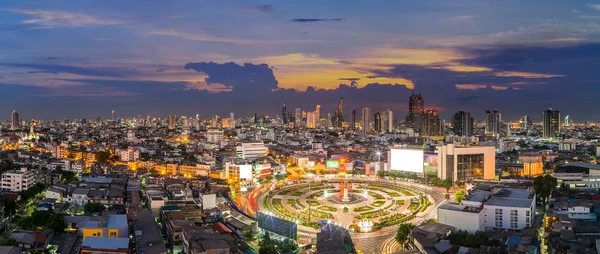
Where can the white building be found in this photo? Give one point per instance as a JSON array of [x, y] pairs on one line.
[[60, 151], [466, 163], [501, 209], [215, 136], [578, 175], [130, 154], [250, 150], [17, 180]]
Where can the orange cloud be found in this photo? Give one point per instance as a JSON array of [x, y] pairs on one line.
[[526, 74]]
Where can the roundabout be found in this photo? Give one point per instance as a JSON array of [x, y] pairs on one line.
[[360, 206]]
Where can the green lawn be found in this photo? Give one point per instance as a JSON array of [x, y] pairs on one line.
[[378, 203], [363, 209]]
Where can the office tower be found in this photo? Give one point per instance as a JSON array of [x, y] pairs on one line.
[[340, 113], [298, 117], [492, 122], [525, 122], [353, 123], [551, 123], [432, 125], [231, 120], [416, 105], [172, 122], [113, 116], [15, 123], [387, 121], [318, 116], [284, 114], [377, 121], [311, 120], [365, 121], [328, 121], [568, 121], [462, 122]]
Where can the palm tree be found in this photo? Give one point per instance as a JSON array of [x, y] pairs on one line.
[[403, 233]]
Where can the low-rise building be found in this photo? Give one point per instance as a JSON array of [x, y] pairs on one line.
[[17, 180]]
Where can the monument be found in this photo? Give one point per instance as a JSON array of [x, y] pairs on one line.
[[344, 190]]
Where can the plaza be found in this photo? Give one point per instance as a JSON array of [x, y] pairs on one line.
[[361, 206]]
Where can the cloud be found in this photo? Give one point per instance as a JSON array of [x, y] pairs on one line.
[[210, 38], [211, 88], [250, 78], [86, 71], [52, 18], [315, 20], [349, 79], [526, 74], [264, 7], [594, 6]]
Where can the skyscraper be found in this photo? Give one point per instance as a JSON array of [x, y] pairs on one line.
[[432, 125], [462, 122], [15, 121], [172, 122], [113, 116], [568, 121], [387, 121], [232, 120], [551, 123], [492, 122], [353, 123], [318, 116], [377, 121], [525, 122], [284, 115], [365, 121], [416, 105], [311, 120], [298, 117], [340, 113]]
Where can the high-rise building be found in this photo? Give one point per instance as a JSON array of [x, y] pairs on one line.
[[568, 121], [231, 120], [340, 113], [311, 120], [377, 121], [353, 123], [387, 121], [172, 122], [492, 122], [551, 123], [112, 118], [365, 121], [328, 121], [318, 116], [432, 125], [15, 121], [462, 122], [525, 122], [284, 114], [416, 105], [298, 117]]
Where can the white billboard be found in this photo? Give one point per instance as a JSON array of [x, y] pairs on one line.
[[246, 172], [408, 160]]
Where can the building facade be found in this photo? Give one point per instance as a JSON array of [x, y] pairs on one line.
[[465, 163], [18, 180]]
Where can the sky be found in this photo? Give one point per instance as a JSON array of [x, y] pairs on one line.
[[83, 59]]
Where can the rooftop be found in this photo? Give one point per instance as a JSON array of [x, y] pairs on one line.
[[105, 243], [510, 202], [117, 221]]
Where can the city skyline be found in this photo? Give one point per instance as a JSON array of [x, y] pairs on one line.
[[214, 58]]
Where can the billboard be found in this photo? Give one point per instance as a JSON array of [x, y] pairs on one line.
[[277, 225], [430, 163], [333, 164], [409, 160], [245, 171]]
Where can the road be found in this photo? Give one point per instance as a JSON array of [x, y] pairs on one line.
[[381, 241]]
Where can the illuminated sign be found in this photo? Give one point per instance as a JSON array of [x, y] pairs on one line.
[[333, 164]]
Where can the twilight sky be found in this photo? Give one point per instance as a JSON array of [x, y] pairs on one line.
[[82, 59]]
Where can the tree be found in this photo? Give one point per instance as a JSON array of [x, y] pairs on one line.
[[94, 208], [403, 232], [446, 184], [459, 195], [7, 241], [9, 206], [57, 222], [102, 156], [26, 223], [32, 191], [543, 187], [67, 177], [267, 245]]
